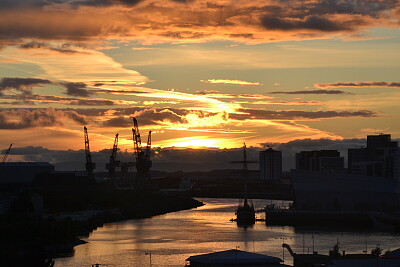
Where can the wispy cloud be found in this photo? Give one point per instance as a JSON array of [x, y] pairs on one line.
[[217, 94], [199, 101], [246, 114], [143, 48], [287, 103], [87, 66], [234, 82], [311, 92], [357, 84], [23, 99]]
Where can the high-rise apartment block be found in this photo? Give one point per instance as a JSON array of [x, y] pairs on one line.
[[270, 164]]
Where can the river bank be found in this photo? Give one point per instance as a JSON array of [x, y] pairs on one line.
[[30, 235], [173, 237]]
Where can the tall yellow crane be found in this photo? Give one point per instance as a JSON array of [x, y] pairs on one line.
[[142, 156], [113, 160], [90, 166], [6, 154]]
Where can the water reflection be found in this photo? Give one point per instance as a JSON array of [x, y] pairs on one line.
[[173, 237]]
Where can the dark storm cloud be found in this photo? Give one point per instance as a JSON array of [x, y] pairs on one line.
[[298, 114], [92, 102], [22, 3], [314, 22], [146, 117], [363, 7], [100, 3], [74, 3], [63, 49], [29, 118], [33, 45], [89, 111], [36, 98], [154, 116], [76, 117], [313, 92], [118, 122], [94, 20], [76, 89], [357, 84], [23, 85]]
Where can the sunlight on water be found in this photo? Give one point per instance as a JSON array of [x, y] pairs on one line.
[[173, 237]]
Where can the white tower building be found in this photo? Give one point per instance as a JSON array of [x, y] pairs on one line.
[[270, 165]]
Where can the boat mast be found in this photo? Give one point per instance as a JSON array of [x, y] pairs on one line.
[[245, 174]]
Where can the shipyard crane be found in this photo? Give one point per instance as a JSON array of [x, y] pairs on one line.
[[137, 142], [113, 159], [90, 166], [148, 147], [6, 154], [143, 161]]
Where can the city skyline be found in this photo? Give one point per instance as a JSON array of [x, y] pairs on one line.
[[198, 74]]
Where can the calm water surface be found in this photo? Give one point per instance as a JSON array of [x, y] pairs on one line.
[[173, 237]]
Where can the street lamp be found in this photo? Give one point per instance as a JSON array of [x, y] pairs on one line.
[[148, 253]]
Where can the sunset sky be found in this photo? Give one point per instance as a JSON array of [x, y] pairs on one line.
[[212, 73]]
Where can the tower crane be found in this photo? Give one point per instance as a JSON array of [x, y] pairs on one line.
[[6, 154], [113, 159], [90, 166], [148, 148], [143, 161]]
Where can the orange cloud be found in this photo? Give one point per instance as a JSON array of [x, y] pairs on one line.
[[162, 21], [217, 94], [86, 65], [358, 84], [225, 81], [288, 103]]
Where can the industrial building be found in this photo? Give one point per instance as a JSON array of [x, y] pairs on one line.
[[381, 157], [330, 191], [321, 160], [270, 165], [22, 172], [371, 182]]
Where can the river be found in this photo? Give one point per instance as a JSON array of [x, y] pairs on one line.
[[171, 238]]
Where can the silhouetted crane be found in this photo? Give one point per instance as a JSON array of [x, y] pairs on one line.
[[90, 166], [113, 160], [143, 161], [6, 154]]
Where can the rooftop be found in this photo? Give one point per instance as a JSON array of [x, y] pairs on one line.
[[234, 256]]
